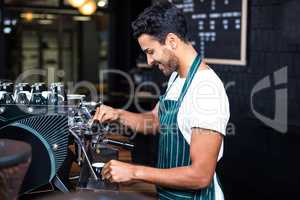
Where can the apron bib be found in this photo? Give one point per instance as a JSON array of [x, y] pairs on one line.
[[174, 151]]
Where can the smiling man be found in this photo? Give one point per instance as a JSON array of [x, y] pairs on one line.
[[191, 116]]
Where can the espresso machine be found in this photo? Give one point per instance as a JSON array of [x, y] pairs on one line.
[[50, 120], [94, 148]]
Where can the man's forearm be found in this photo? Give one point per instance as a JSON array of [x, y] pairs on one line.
[[140, 122], [178, 178]]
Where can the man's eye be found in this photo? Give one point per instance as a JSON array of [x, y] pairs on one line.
[[150, 52]]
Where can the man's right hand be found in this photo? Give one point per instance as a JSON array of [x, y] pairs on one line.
[[106, 114], [146, 123]]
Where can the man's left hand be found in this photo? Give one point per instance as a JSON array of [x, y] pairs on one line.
[[116, 171]]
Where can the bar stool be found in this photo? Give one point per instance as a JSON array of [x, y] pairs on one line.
[[15, 158]]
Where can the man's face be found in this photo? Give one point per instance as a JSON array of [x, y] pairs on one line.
[[158, 54]]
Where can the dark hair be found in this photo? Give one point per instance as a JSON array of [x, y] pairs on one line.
[[159, 20]]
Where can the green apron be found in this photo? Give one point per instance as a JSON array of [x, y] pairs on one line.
[[174, 151]]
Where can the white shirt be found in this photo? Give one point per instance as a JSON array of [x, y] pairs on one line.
[[205, 105]]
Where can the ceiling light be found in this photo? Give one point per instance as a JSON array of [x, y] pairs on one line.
[[76, 3], [28, 16], [7, 30], [88, 8], [102, 3], [14, 22], [7, 22]]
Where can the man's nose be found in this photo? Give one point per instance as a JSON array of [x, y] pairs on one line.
[[150, 60]]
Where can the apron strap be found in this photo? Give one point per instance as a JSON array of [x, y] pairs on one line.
[[188, 81]]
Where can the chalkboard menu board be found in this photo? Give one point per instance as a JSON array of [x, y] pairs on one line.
[[217, 29]]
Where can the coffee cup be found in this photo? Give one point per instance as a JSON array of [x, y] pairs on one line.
[[97, 167]]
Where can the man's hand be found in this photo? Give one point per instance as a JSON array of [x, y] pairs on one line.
[[106, 114], [146, 123], [116, 171]]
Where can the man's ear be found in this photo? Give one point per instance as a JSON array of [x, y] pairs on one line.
[[171, 41]]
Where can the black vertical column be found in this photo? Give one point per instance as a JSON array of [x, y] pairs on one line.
[[122, 46], [3, 67], [119, 34], [88, 52]]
